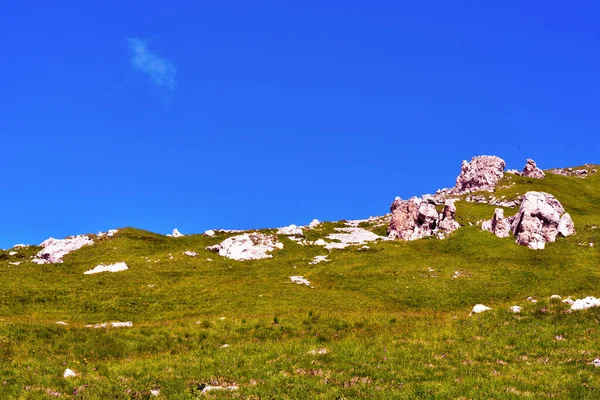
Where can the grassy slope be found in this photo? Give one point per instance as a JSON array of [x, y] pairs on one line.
[[393, 328]]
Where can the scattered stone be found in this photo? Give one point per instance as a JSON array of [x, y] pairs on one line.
[[109, 233], [55, 249], [155, 392], [117, 267], [20, 245], [320, 242], [190, 253], [532, 299], [513, 172], [352, 236], [582, 304], [252, 246], [61, 323], [516, 309], [479, 308], [16, 263], [127, 324], [291, 230], [417, 218], [69, 373], [225, 346], [209, 388], [13, 253], [532, 171], [568, 301], [318, 351], [319, 259], [299, 280], [209, 232], [555, 297], [176, 233], [482, 173]]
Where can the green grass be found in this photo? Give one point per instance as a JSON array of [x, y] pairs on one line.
[[393, 320]]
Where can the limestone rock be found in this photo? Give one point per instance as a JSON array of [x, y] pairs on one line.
[[249, 246], [540, 219], [417, 218], [498, 225], [479, 308], [482, 173], [117, 267], [291, 230], [175, 233], [532, 171], [55, 249]]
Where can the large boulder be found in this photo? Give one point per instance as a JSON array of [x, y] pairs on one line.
[[249, 246], [541, 218], [532, 171], [482, 173], [417, 218]]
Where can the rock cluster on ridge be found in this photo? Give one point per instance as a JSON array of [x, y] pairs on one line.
[[417, 218], [541, 218], [249, 246], [482, 173], [532, 171]]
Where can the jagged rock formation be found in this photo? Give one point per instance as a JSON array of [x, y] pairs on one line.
[[417, 218], [540, 219], [532, 171], [482, 173], [249, 246], [498, 224]]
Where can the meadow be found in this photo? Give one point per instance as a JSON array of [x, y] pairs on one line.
[[391, 321]]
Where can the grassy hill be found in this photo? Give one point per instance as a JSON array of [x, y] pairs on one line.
[[392, 321]]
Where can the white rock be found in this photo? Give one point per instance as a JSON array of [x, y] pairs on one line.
[[175, 233], [127, 324], [117, 267], [299, 280], [320, 242], [55, 249], [596, 362], [531, 299], [15, 263], [515, 309], [61, 323], [314, 223], [69, 373], [318, 351], [253, 246], [20, 245], [319, 259], [291, 230], [479, 308], [13, 253], [190, 253], [582, 304], [225, 346], [209, 388], [209, 232], [568, 301], [555, 297], [155, 392]]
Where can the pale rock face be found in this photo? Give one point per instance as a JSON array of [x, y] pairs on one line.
[[417, 218], [498, 225], [117, 267], [249, 246], [540, 219], [482, 173], [55, 249], [291, 230], [532, 171]]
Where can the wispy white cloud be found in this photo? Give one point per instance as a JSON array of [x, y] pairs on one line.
[[162, 72]]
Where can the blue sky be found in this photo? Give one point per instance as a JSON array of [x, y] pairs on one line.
[[236, 114]]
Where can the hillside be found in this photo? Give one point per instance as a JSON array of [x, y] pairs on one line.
[[390, 320]]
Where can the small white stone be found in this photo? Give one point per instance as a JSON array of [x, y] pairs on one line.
[[479, 308], [209, 232], [596, 362], [515, 309], [299, 280], [155, 392], [175, 233], [117, 267], [190, 253], [69, 373]]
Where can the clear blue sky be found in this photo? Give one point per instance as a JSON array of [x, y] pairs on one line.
[[237, 114]]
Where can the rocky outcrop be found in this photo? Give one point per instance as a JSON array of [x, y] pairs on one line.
[[541, 218], [290, 230], [482, 173], [417, 218], [579, 172], [498, 225], [55, 249], [175, 233], [532, 171], [249, 246]]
